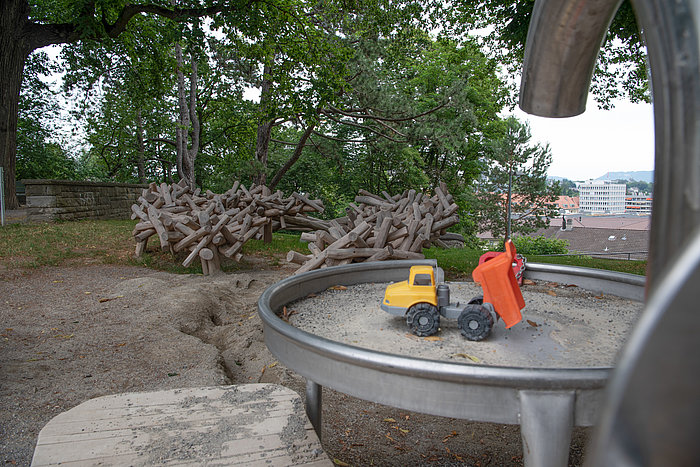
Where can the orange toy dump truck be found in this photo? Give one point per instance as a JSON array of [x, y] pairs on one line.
[[422, 299]]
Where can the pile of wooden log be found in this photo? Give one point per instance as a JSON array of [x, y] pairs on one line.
[[378, 228], [209, 225]]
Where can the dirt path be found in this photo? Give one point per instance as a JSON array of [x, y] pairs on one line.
[[69, 334]]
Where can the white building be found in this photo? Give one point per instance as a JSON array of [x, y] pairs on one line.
[[601, 197]]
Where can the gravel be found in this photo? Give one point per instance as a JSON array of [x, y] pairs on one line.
[[562, 327], [73, 333]]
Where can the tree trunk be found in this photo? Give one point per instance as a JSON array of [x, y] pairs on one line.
[[183, 121], [188, 125], [14, 51], [193, 151], [265, 124], [295, 157], [141, 156]]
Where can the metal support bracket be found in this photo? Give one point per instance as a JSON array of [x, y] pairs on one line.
[[314, 400], [546, 422]]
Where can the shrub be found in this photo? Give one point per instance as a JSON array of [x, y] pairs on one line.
[[540, 245]]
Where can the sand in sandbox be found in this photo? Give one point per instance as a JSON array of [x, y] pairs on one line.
[[562, 327]]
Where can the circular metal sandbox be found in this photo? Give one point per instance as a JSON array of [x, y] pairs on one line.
[[546, 402]]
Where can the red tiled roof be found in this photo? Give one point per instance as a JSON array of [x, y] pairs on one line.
[[567, 202]]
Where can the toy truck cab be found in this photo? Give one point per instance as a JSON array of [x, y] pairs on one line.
[[420, 287], [416, 298]]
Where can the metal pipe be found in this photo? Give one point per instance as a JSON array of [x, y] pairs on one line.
[[560, 54], [314, 403], [672, 34], [546, 422]]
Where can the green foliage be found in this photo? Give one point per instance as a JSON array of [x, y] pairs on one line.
[[457, 262], [540, 245], [281, 244], [392, 107], [39, 155], [39, 158], [631, 267], [567, 187], [36, 245], [641, 185], [513, 169]]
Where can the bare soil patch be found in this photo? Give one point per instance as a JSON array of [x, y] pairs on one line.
[[73, 333]]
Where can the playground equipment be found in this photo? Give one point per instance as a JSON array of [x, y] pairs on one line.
[[519, 263], [546, 402], [652, 405], [650, 409]]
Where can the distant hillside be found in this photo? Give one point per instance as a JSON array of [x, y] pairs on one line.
[[635, 176]]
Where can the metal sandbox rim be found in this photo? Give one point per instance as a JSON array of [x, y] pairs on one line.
[[296, 287]]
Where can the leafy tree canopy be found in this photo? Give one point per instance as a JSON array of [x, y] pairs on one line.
[[39, 154]]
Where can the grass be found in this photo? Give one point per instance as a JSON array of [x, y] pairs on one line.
[[459, 262], [631, 267], [27, 246], [35, 245], [30, 246]]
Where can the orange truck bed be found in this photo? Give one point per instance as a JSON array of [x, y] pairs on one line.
[[500, 286]]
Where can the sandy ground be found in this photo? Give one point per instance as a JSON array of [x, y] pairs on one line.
[[562, 327], [69, 334]]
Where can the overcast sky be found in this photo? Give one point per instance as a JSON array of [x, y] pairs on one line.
[[597, 141]]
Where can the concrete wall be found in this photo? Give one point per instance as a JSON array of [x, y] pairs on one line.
[[49, 200]]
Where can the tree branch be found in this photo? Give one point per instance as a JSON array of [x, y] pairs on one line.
[[284, 143], [161, 140], [340, 140], [295, 157], [357, 125], [41, 35], [387, 119]]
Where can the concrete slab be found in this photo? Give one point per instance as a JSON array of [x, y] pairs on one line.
[[252, 424]]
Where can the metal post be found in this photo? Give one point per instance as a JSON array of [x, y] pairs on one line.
[[314, 396], [546, 422], [2, 197], [510, 187]]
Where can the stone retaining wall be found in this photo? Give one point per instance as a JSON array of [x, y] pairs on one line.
[[49, 200]]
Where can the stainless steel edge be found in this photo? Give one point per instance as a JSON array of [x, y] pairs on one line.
[[475, 392], [652, 407], [620, 284]]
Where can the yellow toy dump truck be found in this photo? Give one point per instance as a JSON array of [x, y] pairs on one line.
[[423, 298]]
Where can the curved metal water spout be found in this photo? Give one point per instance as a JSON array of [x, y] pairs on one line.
[[653, 412], [562, 47]]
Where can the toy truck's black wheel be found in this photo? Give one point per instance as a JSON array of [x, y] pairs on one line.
[[476, 300], [423, 319], [475, 322]]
